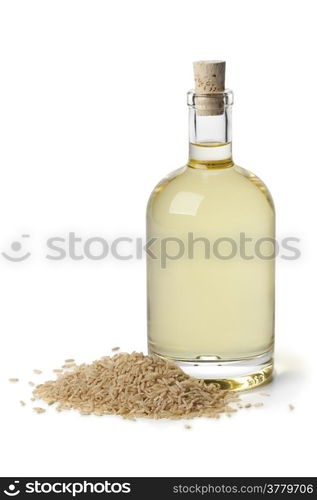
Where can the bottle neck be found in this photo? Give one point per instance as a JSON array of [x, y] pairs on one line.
[[210, 130]]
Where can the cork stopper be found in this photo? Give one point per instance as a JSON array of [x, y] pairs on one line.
[[209, 80]]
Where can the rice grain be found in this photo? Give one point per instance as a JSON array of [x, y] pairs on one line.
[[39, 410]]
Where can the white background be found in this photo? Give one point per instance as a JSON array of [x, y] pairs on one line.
[[92, 114]]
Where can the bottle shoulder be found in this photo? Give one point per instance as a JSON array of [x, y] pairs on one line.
[[257, 183], [164, 183], [229, 184]]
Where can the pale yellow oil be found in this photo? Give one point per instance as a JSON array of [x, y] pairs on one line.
[[211, 308]]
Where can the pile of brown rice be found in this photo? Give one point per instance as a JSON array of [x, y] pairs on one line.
[[135, 385]]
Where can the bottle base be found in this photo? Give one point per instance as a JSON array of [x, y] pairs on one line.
[[234, 375]]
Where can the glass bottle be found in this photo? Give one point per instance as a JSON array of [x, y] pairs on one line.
[[211, 259]]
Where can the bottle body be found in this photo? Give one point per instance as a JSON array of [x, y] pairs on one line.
[[211, 276]]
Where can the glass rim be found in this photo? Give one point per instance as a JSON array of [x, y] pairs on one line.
[[226, 97]]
